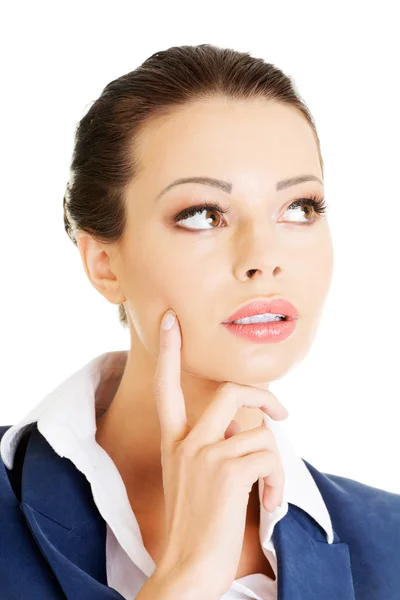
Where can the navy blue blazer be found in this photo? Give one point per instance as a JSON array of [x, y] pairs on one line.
[[53, 539]]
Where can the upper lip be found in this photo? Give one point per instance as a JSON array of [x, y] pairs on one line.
[[259, 306]]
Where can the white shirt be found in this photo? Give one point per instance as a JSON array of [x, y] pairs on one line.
[[67, 419]]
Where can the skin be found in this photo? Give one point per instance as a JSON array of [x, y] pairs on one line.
[[203, 274]]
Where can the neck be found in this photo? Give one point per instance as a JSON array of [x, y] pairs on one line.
[[129, 430]]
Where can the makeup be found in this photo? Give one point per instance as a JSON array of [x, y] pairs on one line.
[[273, 331], [275, 320]]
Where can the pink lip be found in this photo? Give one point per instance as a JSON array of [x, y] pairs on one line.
[[272, 332], [258, 307]]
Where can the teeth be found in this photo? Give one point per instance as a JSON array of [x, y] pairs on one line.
[[260, 319]]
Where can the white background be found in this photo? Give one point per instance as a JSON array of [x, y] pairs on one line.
[[57, 57]]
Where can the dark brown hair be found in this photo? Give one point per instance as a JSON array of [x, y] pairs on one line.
[[104, 160]]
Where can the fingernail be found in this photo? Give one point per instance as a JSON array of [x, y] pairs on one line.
[[168, 320]]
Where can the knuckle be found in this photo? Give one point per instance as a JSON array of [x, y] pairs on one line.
[[277, 464], [209, 454], [268, 436], [274, 457], [269, 459]]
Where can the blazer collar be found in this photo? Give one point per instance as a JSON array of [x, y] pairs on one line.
[[58, 505]]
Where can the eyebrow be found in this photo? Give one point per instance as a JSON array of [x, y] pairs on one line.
[[226, 186]]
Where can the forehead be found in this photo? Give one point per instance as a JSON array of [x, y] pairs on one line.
[[221, 136]]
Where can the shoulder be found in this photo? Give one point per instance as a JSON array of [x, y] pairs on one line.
[[349, 490], [359, 510]]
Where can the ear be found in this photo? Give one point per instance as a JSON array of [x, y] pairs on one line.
[[100, 262]]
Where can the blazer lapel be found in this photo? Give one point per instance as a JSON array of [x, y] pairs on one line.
[[58, 505], [308, 567]]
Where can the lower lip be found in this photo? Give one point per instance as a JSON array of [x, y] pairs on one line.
[[274, 331]]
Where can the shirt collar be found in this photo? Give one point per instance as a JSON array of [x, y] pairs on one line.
[[67, 419]]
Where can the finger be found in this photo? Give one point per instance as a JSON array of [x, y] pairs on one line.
[[167, 387], [246, 442], [269, 466], [211, 426], [263, 386], [273, 491], [232, 429]]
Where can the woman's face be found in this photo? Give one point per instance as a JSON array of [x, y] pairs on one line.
[[199, 266]]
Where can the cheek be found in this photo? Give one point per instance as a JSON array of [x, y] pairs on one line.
[[315, 261], [157, 281]]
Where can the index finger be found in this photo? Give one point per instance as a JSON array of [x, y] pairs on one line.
[[229, 397], [167, 386]]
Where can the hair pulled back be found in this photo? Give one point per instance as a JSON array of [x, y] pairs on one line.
[[104, 160]]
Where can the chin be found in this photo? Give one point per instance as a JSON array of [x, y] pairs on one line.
[[243, 375], [252, 364]]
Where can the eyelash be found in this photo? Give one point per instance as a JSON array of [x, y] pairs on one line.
[[317, 203]]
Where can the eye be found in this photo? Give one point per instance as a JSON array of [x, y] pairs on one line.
[[194, 215], [318, 206], [211, 213]]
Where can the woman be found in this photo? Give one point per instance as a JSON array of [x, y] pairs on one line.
[[196, 185]]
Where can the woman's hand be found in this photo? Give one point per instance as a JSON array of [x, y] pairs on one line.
[[208, 473]]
